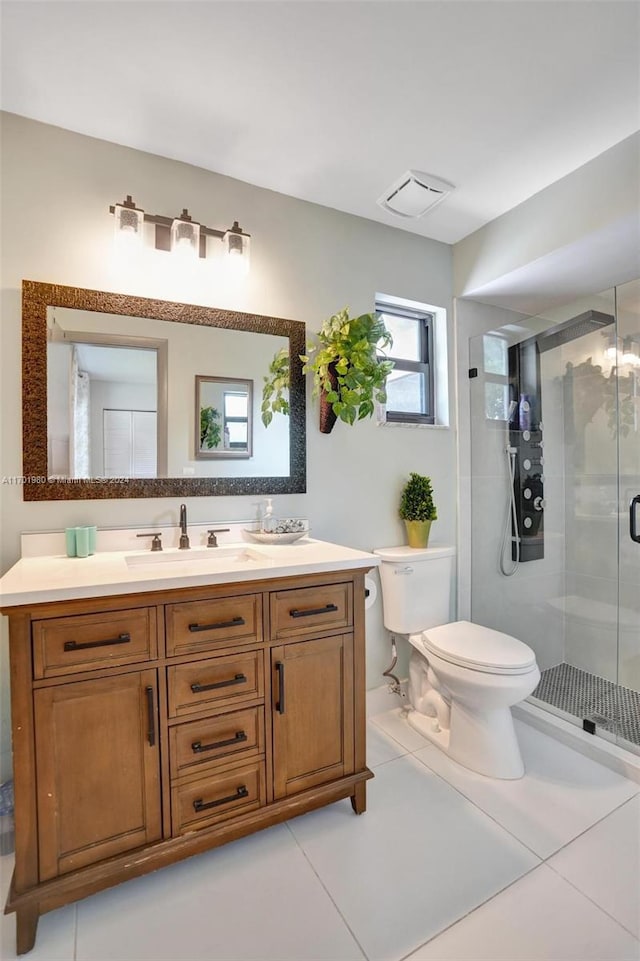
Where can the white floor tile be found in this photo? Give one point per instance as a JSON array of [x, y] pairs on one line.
[[561, 795], [539, 918], [257, 898], [417, 860], [604, 863], [395, 724], [381, 747]]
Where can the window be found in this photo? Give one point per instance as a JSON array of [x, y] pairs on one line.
[[236, 420], [410, 385], [496, 377]]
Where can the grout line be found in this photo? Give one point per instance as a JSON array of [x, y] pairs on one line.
[[491, 817], [497, 894], [327, 892], [579, 890]]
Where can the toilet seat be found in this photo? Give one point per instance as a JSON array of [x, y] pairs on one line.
[[479, 648]]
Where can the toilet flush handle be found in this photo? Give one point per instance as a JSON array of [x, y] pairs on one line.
[[404, 570]]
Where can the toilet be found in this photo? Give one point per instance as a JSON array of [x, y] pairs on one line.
[[463, 678]]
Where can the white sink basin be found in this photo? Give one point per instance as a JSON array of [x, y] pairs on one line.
[[209, 557]]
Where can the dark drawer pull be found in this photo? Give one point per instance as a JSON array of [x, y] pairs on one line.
[[280, 702], [201, 805], [236, 622], [199, 748], [74, 646], [151, 733], [327, 609], [238, 679]]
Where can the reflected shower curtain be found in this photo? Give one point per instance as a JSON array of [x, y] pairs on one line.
[[79, 420]]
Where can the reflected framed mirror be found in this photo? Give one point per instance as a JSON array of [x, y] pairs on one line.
[[108, 398], [223, 417]]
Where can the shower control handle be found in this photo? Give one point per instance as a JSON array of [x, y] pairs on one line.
[[539, 503], [634, 534]]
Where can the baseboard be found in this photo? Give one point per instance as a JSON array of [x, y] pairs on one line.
[[596, 748]]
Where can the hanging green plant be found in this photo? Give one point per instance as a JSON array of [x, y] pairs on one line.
[[210, 432], [348, 373], [275, 393]]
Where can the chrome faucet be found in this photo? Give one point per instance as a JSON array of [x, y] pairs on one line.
[[184, 538]]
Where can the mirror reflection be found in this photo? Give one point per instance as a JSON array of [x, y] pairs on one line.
[[117, 399], [223, 420]]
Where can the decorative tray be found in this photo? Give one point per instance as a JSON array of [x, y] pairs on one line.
[[285, 532]]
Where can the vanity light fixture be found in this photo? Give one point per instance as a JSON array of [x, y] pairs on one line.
[[180, 235]]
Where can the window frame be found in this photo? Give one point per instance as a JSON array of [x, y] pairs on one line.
[[425, 365]]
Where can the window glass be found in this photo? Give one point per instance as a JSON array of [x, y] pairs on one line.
[[405, 392], [495, 354], [406, 336]]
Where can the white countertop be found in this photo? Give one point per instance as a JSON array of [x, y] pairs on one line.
[[35, 580]]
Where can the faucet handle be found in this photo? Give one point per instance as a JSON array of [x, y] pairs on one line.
[[156, 543], [212, 540]]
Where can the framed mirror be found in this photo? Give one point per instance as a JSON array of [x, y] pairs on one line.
[[108, 398], [223, 417]]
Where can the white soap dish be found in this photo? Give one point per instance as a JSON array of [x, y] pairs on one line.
[[286, 531]]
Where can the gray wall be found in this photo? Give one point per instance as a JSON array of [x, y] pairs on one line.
[[307, 262]]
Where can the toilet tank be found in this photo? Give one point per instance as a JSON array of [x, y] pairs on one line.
[[416, 587]]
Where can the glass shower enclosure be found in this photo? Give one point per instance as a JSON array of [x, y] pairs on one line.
[[555, 502]]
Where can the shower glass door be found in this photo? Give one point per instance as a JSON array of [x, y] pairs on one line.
[[552, 562], [628, 313]]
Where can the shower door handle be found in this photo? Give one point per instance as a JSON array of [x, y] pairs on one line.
[[633, 519]]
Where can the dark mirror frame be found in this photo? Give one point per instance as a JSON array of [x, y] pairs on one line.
[[36, 297]]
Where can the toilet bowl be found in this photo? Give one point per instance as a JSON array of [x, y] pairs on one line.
[[463, 678], [480, 674]]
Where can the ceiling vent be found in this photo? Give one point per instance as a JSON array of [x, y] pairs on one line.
[[414, 193]]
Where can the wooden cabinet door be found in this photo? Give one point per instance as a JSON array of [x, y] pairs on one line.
[[312, 686], [97, 761]]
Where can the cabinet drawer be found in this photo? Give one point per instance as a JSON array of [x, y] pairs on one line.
[[87, 642], [217, 797], [194, 626], [199, 744], [310, 610], [216, 682]]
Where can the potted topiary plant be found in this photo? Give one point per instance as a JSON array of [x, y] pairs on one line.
[[276, 387], [347, 372], [417, 509]]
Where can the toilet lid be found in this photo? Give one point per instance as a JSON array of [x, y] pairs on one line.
[[471, 645]]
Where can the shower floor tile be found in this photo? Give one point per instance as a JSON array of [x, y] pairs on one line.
[[614, 708]]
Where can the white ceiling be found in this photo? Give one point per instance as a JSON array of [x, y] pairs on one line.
[[118, 364], [332, 101]]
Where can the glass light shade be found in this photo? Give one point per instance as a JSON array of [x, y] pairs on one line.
[[185, 238], [129, 225], [237, 246]]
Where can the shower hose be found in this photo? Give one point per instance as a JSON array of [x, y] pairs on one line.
[[511, 518]]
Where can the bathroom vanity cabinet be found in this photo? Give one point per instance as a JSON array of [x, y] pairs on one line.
[[148, 727]]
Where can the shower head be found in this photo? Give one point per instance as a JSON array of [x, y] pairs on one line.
[[571, 329]]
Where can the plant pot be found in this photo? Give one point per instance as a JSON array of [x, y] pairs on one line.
[[418, 533], [327, 416]]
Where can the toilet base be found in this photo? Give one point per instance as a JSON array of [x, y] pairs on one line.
[[482, 742]]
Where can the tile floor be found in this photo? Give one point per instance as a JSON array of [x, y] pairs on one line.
[[445, 864]]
